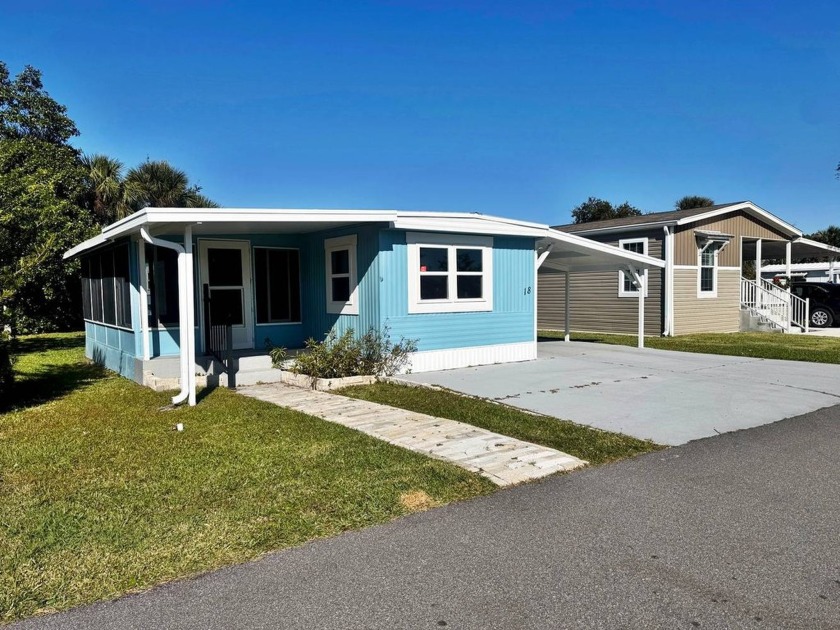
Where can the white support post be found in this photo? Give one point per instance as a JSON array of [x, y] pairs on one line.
[[788, 249], [758, 299], [566, 295], [639, 281], [144, 299], [189, 335]]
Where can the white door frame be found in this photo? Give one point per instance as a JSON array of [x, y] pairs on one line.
[[243, 336]]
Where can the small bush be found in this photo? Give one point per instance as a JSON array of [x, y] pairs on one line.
[[278, 354], [373, 354]]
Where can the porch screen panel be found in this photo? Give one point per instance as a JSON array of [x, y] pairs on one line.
[[106, 288], [163, 285], [122, 286], [86, 308], [277, 279]]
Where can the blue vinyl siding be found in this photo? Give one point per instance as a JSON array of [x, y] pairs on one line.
[[111, 347], [512, 318]]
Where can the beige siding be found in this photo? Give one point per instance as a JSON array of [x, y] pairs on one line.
[[594, 302], [694, 315], [739, 224]]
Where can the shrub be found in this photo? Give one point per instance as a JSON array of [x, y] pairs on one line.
[[337, 357], [278, 354]]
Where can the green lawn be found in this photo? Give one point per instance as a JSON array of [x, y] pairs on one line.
[[593, 445], [791, 347], [99, 494]]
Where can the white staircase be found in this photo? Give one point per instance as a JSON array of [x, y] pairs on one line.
[[773, 307]]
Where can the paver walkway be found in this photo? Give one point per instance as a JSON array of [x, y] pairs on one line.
[[502, 459]]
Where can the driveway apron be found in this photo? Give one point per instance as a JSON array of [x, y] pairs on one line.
[[668, 397]]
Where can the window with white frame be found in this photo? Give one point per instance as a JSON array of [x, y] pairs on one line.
[[708, 268], [449, 273], [626, 286], [342, 293], [277, 285]]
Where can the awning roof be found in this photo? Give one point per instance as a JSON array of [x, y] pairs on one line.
[[801, 248], [568, 251]]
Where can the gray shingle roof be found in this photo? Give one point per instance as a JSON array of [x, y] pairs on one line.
[[653, 217]]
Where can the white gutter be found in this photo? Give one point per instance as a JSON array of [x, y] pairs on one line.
[[184, 309]]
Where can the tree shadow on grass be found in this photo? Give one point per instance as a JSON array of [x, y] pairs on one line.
[[51, 380], [45, 343]]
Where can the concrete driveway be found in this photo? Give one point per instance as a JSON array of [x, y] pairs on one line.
[[668, 397]]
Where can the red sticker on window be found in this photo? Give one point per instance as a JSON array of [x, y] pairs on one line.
[[423, 268]]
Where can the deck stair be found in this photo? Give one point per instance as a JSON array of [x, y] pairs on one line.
[[769, 307]]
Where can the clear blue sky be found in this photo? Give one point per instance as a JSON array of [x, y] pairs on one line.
[[522, 109]]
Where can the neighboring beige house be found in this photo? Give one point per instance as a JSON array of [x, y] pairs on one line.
[[700, 289]]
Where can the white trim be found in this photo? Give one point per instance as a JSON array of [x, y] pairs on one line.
[[685, 266], [729, 269], [243, 335], [452, 358], [752, 209], [144, 298], [622, 275], [668, 244], [92, 321], [450, 242], [705, 295], [342, 243]]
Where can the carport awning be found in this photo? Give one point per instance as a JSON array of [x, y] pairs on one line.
[[800, 249], [562, 251]]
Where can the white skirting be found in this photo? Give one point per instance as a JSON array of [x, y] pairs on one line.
[[431, 360]]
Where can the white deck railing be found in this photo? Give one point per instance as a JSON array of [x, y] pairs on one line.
[[774, 304]]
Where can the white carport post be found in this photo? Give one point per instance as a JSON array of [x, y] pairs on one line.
[[639, 281], [566, 296], [758, 299], [144, 299], [190, 296], [788, 250]]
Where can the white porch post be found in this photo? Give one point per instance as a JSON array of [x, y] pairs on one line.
[[190, 296], [566, 295], [639, 281], [788, 249], [144, 299], [758, 273]]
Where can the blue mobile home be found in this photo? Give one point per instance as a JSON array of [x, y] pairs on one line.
[[463, 285]]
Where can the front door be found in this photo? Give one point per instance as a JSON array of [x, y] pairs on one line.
[[226, 272]]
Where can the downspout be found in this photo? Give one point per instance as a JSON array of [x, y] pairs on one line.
[[183, 313], [668, 330]]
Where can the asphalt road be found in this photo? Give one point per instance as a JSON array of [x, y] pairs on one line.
[[736, 531]]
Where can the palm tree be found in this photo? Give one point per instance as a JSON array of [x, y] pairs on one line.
[[693, 201], [107, 188], [157, 184]]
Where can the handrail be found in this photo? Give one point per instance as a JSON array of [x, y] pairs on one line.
[[777, 305]]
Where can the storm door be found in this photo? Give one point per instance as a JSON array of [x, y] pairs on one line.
[[226, 278]]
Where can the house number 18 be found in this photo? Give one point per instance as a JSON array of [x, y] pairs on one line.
[[527, 291]]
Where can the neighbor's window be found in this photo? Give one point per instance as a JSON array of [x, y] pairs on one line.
[[626, 286], [707, 280], [162, 277], [340, 264], [277, 279], [106, 287], [449, 273]]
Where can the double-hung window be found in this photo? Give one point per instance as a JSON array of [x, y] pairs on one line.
[[708, 268], [449, 273], [342, 289], [277, 282], [626, 286]]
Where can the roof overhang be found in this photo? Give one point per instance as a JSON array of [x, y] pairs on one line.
[[799, 249], [570, 252], [747, 206], [215, 221]]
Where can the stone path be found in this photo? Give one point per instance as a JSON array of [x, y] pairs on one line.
[[502, 459]]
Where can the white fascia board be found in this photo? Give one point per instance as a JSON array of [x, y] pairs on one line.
[[752, 209], [96, 241], [468, 224], [817, 244]]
